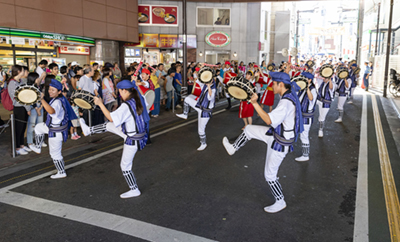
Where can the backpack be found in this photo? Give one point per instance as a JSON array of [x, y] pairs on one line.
[[6, 100]]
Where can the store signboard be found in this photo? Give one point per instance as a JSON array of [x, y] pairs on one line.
[[168, 41], [17, 41], [132, 52], [158, 15], [191, 41], [150, 40], [74, 50], [218, 39]]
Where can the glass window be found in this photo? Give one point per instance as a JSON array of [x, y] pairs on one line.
[[213, 17]]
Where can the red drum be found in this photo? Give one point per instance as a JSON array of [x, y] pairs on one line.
[[149, 95], [196, 90], [228, 76]]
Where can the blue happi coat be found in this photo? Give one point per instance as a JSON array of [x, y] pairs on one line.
[[140, 136]]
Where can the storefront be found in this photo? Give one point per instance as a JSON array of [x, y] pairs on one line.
[[27, 48], [158, 48]]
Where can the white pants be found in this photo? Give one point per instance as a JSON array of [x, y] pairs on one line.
[[55, 143], [341, 101], [304, 136], [110, 126], [273, 158], [322, 112], [202, 122]]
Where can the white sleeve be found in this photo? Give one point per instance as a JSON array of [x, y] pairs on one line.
[[146, 83], [57, 106], [121, 115], [279, 113]]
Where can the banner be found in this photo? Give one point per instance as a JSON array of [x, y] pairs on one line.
[[150, 40], [168, 41], [74, 50]]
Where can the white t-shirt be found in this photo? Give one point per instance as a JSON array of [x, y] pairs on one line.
[[124, 115], [285, 114], [58, 116], [39, 70], [87, 84]]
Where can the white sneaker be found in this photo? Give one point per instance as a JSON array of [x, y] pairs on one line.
[[26, 148], [178, 106], [131, 193], [276, 207], [84, 127], [183, 116], [320, 133], [350, 102], [21, 152], [229, 148], [59, 175], [302, 158], [44, 144], [339, 120], [202, 147], [35, 149]]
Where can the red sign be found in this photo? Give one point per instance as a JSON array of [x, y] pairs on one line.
[[168, 41], [144, 14], [164, 15], [218, 39], [74, 50]]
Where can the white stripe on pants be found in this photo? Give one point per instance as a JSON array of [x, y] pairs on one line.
[[304, 136], [202, 122], [341, 101], [55, 143], [322, 111], [273, 158]]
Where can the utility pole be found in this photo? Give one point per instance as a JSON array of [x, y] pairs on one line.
[[184, 44], [389, 34], [359, 29], [377, 30], [297, 35]]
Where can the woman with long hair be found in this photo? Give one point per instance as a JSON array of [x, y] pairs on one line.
[[128, 123], [21, 112]]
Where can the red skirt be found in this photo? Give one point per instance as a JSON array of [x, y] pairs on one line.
[[246, 110], [268, 97]]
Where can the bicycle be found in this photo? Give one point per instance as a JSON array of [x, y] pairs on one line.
[[394, 86]]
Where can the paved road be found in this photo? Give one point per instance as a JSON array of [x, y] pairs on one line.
[[202, 196]]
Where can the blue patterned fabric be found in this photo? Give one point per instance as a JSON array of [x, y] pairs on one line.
[[324, 95], [353, 78], [140, 126], [203, 103], [341, 88], [308, 116], [280, 142], [69, 115]]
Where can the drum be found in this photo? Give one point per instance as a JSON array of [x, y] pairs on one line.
[[206, 74], [326, 71], [301, 81], [149, 95], [83, 99], [240, 88], [343, 73], [263, 80], [357, 70], [270, 67], [26, 94], [352, 62], [228, 76], [310, 63], [196, 90]]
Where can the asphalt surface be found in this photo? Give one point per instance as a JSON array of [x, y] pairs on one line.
[[208, 194]]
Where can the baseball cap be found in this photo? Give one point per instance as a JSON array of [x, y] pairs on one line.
[[74, 63]]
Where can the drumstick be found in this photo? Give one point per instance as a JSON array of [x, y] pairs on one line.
[[137, 70], [152, 68], [210, 65]]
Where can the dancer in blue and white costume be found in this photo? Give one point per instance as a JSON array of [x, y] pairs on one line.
[[128, 123], [324, 100], [342, 87], [285, 124], [354, 77], [58, 122], [204, 105], [308, 99]]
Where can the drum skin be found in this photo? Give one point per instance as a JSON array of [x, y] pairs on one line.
[[196, 90], [343, 74], [326, 71], [149, 95], [83, 99], [301, 81], [82, 103], [26, 94], [240, 88], [206, 74]]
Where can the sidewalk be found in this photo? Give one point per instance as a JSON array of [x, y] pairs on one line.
[[8, 164], [394, 100]]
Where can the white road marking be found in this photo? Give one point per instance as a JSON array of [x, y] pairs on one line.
[[361, 213], [96, 218], [104, 220]]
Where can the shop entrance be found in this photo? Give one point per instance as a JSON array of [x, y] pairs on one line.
[[29, 57], [213, 57]]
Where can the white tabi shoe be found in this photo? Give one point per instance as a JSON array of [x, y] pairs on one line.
[[339, 120], [302, 158], [276, 207], [229, 148], [202, 147], [84, 127], [182, 116], [59, 175], [35, 149], [320, 133], [131, 193], [44, 144]]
